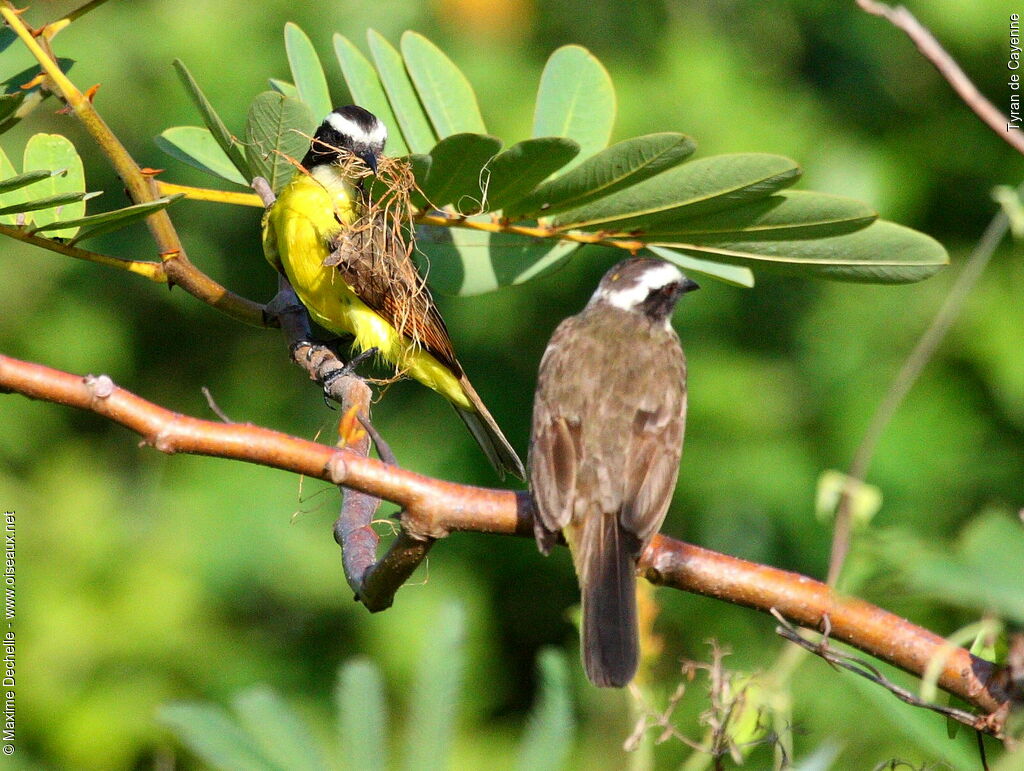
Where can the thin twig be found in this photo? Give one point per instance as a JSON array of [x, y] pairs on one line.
[[209, 194], [933, 51], [214, 407], [950, 310], [867, 670], [904, 381], [154, 271], [50, 30], [441, 219]]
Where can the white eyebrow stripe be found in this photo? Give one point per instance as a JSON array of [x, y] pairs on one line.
[[659, 275], [629, 297], [378, 134]]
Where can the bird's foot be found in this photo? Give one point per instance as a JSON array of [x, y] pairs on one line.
[[349, 369], [355, 361]]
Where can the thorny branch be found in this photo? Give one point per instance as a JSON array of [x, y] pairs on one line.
[[177, 268], [434, 508]]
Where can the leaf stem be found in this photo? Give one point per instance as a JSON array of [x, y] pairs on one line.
[[154, 271], [596, 239], [209, 194]]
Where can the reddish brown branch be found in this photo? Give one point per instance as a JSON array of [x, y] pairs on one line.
[[434, 508], [807, 602], [375, 582]]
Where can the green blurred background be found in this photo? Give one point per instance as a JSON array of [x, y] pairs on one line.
[[145, 578]]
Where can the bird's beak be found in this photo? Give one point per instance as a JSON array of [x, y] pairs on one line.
[[370, 159], [689, 285]]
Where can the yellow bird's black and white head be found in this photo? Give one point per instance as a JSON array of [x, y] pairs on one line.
[[348, 130]]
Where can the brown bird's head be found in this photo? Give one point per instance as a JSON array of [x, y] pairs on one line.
[[643, 285]]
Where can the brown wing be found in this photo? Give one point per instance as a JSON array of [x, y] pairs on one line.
[[555, 437], [375, 261], [553, 463], [655, 445]]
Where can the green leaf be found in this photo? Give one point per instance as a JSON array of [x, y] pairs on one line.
[[459, 261], [49, 202], [456, 171], [419, 136], [11, 184], [362, 716], [7, 36], [228, 143], [882, 253], [549, 731], [307, 72], [19, 106], [52, 151], [280, 734], [520, 168], [367, 91], [16, 194], [283, 87], [15, 101], [97, 224], [865, 500], [211, 733], [576, 99], [730, 274], [444, 91], [278, 132], [619, 166], [9, 104], [698, 187], [197, 147], [980, 573], [430, 723], [787, 215]]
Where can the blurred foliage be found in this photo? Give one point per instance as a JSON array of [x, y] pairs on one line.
[[266, 734], [146, 579]]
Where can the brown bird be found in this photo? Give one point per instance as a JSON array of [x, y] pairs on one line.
[[608, 421]]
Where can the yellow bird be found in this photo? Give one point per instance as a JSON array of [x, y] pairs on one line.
[[369, 288]]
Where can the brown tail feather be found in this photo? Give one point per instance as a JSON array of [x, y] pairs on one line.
[[487, 434], [610, 646]]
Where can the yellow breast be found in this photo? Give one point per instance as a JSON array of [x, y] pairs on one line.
[[297, 230]]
